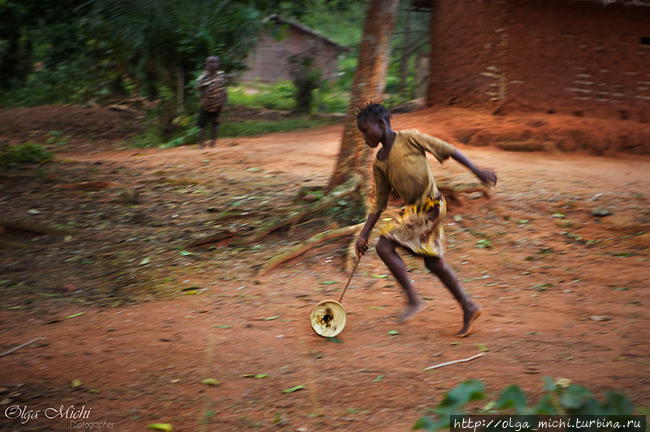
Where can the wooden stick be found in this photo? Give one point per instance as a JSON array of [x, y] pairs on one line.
[[214, 238], [20, 346], [349, 278], [454, 362], [310, 243]]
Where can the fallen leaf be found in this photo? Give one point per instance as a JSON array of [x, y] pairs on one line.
[[271, 318], [257, 376], [75, 315], [393, 332], [600, 318], [378, 378], [165, 427], [211, 382], [293, 389], [483, 348], [75, 383]]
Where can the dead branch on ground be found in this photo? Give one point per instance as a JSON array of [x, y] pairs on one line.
[[310, 243], [344, 190]]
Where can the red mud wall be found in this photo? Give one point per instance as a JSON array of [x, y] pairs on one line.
[[556, 56]]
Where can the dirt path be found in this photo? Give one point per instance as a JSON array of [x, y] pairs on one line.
[[563, 292]]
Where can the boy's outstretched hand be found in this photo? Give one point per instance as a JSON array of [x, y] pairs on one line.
[[361, 246], [487, 176]]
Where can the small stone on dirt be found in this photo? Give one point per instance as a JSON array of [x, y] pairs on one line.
[[600, 318], [600, 212]]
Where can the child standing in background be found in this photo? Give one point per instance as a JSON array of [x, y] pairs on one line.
[[401, 165], [212, 88]]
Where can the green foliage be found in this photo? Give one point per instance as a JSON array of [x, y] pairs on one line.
[[188, 136], [331, 99], [341, 21], [561, 397], [267, 96], [57, 138], [263, 127], [150, 135], [25, 153], [280, 96]]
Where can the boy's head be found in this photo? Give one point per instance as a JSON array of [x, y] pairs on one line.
[[373, 120], [212, 63]]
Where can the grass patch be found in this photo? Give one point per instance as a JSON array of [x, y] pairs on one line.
[[24, 153], [248, 128], [269, 96]]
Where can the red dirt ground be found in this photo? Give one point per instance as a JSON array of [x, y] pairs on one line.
[[563, 290]]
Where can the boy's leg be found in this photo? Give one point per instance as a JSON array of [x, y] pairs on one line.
[[214, 124], [471, 310], [213, 133], [201, 124], [386, 251]]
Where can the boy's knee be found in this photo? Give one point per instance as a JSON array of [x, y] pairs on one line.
[[434, 264]]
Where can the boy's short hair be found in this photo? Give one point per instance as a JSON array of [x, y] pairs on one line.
[[373, 111]]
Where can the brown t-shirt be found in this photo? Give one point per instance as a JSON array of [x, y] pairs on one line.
[[406, 170]]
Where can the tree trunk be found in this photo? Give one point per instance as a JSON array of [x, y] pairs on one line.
[[180, 90], [406, 55], [368, 86]]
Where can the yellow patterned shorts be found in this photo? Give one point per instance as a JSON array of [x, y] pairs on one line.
[[419, 227]]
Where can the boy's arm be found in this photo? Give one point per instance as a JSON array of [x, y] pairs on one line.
[[382, 189], [442, 150], [487, 175], [361, 246]]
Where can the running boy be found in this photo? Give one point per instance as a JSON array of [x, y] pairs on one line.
[[401, 165], [212, 88]]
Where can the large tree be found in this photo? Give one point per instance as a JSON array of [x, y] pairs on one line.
[[368, 86]]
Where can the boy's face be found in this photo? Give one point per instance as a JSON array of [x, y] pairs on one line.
[[372, 130], [212, 64]]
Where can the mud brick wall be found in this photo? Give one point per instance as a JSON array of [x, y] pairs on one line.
[[564, 56]]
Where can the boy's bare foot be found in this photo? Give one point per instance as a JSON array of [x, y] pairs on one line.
[[411, 310], [470, 314]]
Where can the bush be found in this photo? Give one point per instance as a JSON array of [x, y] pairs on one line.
[[269, 96], [25, 153], [247, 128], [561, 397], [329, 102], [188, 136]]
